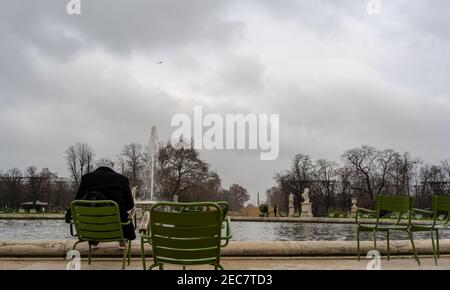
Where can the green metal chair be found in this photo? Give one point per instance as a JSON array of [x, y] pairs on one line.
[[440, 205], [183, 234], [401, 207], [99, 221]]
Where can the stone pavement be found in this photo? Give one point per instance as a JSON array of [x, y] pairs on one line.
[[238, 263]]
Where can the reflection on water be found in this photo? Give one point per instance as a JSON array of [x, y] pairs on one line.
[[34, 229], [270, 231], [242, 231]]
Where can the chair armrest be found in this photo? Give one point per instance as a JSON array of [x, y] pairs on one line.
[[143, 227], [228, 234], [362, 210], [130, 217], [422, 211], [71, 230], [132, 213]]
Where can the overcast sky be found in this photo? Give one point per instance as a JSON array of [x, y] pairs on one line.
[[338, 77]]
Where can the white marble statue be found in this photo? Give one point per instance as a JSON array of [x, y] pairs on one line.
[[291, 205], [133, 192], [305, 195]]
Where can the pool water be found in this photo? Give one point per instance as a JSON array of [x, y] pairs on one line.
[[242, 231]]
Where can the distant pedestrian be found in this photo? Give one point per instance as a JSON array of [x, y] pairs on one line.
[[275, 210]]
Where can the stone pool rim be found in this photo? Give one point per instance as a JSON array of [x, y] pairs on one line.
[[60, 248], [324, 220]]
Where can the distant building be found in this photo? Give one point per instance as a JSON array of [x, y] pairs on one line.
[[36, 205]]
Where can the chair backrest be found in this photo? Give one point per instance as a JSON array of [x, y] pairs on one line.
[[184, 236], [441, 204], [398, 204], [394, 204], [225, 207], [97, 220]]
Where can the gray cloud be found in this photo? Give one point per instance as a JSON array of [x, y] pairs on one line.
[[338, 77]]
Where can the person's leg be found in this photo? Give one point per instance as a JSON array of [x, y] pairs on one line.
[[94, 245], [128, 232]]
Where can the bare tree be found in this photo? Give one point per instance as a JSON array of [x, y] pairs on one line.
[[80, 159], [300, 175], [180, 169], [71, 159], [363, 161], [371, 167], [134, 163], [344, 175], [385, 161], [35, 182], [275, 196], [446, 167], [85, 158], [240, 193], [326, 172], [13, 180], [402, 174]]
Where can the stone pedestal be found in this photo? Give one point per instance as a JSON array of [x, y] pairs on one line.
[[291, 210], [291, 205], [354, 207], [353, 211], [306, 210]]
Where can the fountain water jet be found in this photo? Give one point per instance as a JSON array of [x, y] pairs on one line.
[[152, 155]]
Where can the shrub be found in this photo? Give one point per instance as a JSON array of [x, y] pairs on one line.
[[337, 213], [264, 209]]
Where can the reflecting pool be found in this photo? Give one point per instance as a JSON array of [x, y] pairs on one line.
[[242, 231]]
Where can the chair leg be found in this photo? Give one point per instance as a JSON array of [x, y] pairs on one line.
[[143, 254], [388, 247], [374, 240], [75, 245], [434, 248], [125, 251], [89, 254], [161, 267], [411, 237], [184, 267], [129, 252], [218, 267], [154, 265], [437, 244], [357, 244]]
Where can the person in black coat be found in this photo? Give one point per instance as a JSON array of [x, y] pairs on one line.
[[112, 186]]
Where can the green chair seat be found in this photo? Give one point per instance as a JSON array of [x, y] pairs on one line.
[[442, 227], [383, 227], [421, 228]]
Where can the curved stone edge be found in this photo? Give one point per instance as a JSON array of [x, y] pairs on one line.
[[319, 220], [322, 220], [60, 248]]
